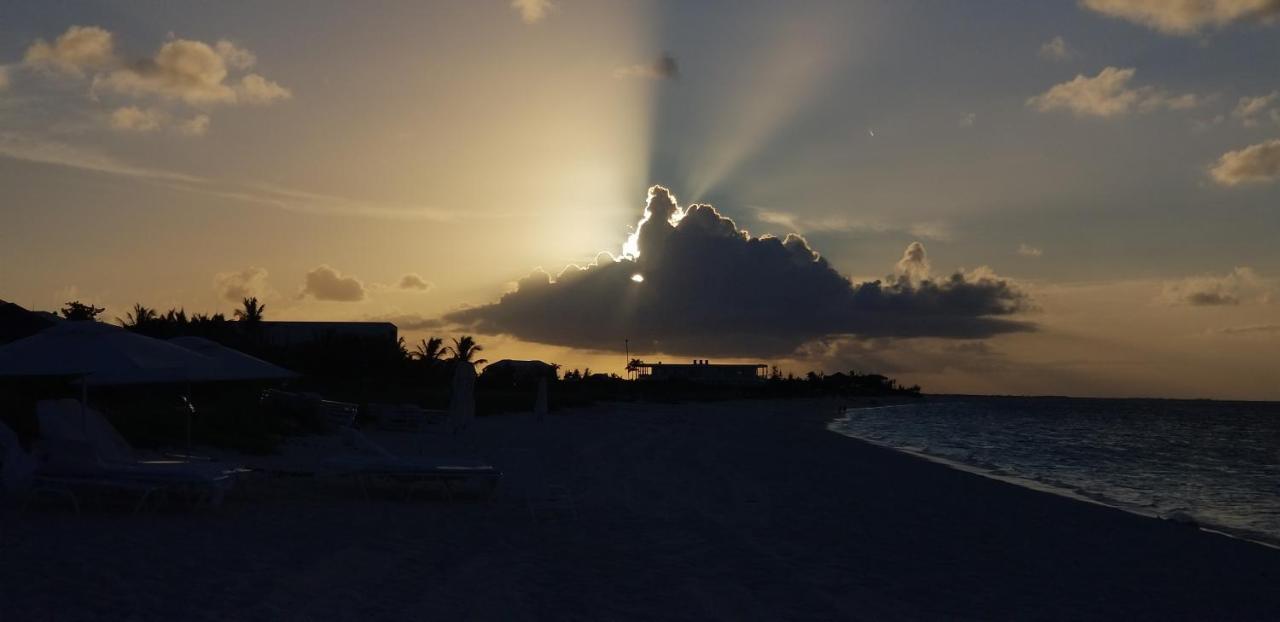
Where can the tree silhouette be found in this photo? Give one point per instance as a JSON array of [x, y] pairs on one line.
[[140, 317], [431, 350], [253, 311], [77, 311], [466, 348]]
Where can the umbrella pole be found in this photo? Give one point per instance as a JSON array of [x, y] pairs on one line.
[[84, 400], [190, 416]]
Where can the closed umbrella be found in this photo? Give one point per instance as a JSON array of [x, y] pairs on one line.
[[462, 404]]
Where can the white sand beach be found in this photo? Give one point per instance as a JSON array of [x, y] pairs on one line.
[[725, 511]]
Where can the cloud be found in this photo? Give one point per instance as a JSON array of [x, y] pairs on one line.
[[1187, 17], [413, 281], [1258, 163], [914, 263], [1251, 330], [78, 50], [1108, 94], [1029, 251], [1056, 49], [709, 288], [135, 119], [411, 321], [195, 126], [238, 285], [532, 11], [234, 55], [662, 68], [969, 120], [1240, 285], [795, 223], [325, 283], [257, 90], [41, 151], [181, 72], [1250, 108], [192, 72]]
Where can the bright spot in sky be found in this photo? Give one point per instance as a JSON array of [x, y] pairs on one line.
[[639, 278]]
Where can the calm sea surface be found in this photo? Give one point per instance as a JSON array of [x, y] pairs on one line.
[[1218, 462]]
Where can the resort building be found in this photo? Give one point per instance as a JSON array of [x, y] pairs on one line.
[[704, 372]]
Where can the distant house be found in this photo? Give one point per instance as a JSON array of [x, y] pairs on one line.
[[515, 373], [703, 371], [299, 333]]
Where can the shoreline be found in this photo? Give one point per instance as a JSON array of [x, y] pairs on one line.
[[1260, 539]]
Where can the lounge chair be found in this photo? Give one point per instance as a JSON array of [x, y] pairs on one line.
[[78, 442], [22, 477], [370, 462]]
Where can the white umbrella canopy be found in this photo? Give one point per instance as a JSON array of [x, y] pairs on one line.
[[104, 355], [233, 364]]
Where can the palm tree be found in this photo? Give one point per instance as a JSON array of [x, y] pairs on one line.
[[253, 311], [140, 317], [465, 348], [431, 350]]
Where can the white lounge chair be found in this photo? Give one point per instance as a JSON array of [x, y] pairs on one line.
[[79, 442]]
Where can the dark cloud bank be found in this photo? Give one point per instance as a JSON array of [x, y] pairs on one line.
[[710, 289]]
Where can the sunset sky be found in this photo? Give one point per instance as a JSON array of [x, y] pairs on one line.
[[1103, 175]]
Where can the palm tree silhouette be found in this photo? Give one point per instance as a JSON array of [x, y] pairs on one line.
[[465, 348], [140, 317], [253, 311], [431, 350]]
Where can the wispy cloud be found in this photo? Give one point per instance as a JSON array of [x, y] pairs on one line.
[[1029, 251], [664, 67], [795, 223], [21, 147], [1056, 49]]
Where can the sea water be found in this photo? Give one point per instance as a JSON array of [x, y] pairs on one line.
[[1217, 463]]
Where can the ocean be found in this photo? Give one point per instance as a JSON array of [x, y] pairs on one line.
[[1217, 463]]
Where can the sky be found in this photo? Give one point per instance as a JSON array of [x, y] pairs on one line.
[[1073, 198]]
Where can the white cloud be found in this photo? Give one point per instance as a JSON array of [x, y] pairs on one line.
[[78, 50], [1056, 49], [1249, 109], [325, 283], [238, 285], [234, 55], [257, 90], [532, 11], [1029, 251], [969, 120], [195, 126], [414, 282], [1187, 17], [1107, 95], [1258, 163], [914, 263], [1241, 285], [135, 119]]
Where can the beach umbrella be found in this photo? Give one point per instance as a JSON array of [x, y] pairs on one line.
[[103, 355], [462, 404], [232, 364], [540, 402]]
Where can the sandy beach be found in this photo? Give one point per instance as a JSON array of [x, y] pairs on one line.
[[726, 511]]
